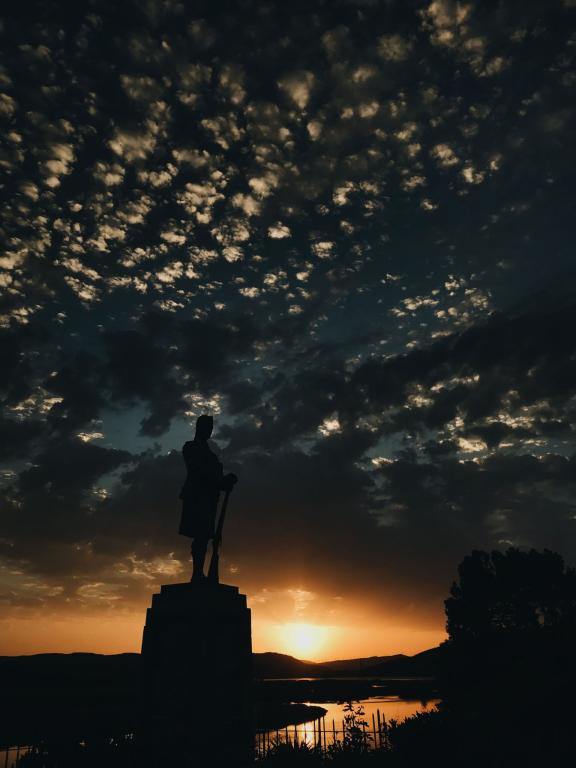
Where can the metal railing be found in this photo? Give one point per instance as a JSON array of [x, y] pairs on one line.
[[321, 734]]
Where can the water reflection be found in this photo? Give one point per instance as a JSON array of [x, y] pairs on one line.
[[11, 756], [330, 728]]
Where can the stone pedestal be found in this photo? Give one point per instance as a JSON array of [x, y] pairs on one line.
[[197, 677]]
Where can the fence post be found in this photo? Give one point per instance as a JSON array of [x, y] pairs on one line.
[[385, 730]]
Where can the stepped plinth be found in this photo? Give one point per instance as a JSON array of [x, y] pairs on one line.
[[197, 675]]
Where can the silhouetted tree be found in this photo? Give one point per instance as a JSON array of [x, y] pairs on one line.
[[511, 621], [510, 591]]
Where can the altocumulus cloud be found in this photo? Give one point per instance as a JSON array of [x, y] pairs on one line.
[[343, 229]]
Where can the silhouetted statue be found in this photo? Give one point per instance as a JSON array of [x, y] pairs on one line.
[[197, 641], [200, 495]]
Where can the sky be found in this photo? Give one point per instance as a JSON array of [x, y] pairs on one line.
[[345, 229]]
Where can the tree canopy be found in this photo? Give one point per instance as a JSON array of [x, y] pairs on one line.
[[510, 591]]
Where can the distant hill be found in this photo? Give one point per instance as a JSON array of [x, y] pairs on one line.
[[278, 665], [68, 670], [269, 665], [422, 664], [358, 666]]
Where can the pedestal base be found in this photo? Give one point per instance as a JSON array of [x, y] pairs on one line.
[[197, 675]]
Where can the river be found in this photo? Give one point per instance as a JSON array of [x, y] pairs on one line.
[[377, 709]]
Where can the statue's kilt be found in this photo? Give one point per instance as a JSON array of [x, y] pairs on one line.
[[198, 517]]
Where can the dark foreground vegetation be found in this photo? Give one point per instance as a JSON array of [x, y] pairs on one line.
[[506, 676]]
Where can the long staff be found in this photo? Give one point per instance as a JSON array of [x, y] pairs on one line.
[[216, 542]]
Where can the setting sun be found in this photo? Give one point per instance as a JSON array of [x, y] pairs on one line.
[[303, 640]]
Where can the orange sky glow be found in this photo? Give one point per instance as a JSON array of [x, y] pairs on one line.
[[299, 634]]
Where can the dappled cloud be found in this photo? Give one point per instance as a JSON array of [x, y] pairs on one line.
[[345, 231]]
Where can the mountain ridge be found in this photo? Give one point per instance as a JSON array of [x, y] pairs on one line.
[[267, 664]]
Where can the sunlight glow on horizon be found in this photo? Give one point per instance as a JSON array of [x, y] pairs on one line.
[[110, 632], [303, 640], [355, 638]]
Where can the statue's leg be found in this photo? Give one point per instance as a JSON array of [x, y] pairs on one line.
[[199, 549]]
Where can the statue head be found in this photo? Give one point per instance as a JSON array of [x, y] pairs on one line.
[[204, 427]]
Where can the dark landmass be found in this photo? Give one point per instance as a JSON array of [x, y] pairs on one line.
[[88, 690], [278, 665], [277, 715], [423, 664], [268, 666], [53, 694], [64, 669], [362, 664], [284, 678]]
